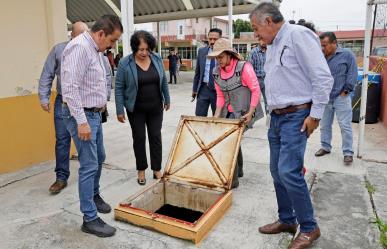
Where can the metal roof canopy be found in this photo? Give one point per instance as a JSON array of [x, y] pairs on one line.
[[154, 10]]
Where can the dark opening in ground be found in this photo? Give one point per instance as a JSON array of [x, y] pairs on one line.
[[179, 213]]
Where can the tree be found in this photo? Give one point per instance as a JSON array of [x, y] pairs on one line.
[[240, 25]]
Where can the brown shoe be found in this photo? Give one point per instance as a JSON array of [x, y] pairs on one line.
[[305, 240], [278, 227], [321, 152], [57, 186]]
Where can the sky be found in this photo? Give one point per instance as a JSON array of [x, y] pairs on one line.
[[327, 15]]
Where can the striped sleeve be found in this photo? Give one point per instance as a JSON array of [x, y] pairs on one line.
[[74, 65]]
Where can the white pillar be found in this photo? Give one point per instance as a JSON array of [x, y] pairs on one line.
[[159, 37], [366, 63], [230, 33], [127, 18]]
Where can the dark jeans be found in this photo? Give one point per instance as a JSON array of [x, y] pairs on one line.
[[206, 98], [172, 72], [91, 155], [152, 120], [287, 148], [62, 143]]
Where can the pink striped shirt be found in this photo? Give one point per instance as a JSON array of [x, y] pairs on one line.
[[83, 76], [249, 79]]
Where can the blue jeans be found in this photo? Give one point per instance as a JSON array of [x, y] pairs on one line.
[[91, 156], [287, 149], [62, 143], [342, 106]]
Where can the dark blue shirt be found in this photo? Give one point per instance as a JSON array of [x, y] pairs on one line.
[[344, 71]]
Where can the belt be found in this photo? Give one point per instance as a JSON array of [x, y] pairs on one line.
[[90, 109], [291, 109]]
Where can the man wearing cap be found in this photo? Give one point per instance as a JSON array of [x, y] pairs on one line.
[[298, 83], [203, 84]]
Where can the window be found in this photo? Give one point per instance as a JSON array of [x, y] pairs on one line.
[[197, 20], [163, 27], [187, 52], [180, 29]]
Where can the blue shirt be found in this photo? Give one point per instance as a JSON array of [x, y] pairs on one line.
[[50, 70], [296, 71], [344, 71], [257, 58], [206, 77]]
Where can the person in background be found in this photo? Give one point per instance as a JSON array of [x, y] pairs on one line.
[[203, 88], [179, 63], [173, 64], [298, 83], [117, 59], [257, 58], [84, 98], [52, 68], [237, 91], [342, 63], [110, 56], [142, 89]]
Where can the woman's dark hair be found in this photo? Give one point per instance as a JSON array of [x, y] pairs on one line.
[[147, 37]]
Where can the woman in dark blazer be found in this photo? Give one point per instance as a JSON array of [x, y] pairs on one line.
[[141, 88]]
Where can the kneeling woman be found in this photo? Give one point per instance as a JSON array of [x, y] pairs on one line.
[[237, 91], [141, 87]]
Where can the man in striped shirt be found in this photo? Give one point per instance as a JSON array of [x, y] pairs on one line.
[[84, 96]]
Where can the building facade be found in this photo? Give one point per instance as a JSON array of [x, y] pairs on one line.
[[26, 132]]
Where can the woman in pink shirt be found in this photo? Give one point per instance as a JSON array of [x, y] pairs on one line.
[[237, 91]]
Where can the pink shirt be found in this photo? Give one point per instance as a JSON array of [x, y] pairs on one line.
[[249, 79]]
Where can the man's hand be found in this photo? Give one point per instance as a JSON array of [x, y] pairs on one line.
[[310, 125], [167, 106], [194, 95], [121, 118], [84, 132], [45, 107]]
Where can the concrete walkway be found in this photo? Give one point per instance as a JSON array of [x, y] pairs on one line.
[[32, 218]]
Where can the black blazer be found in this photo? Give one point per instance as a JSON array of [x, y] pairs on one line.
[[200, 68]]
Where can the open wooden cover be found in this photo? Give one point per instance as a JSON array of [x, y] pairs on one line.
[[204, 151]]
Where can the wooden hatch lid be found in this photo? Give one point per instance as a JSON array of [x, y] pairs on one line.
[[204, 151]]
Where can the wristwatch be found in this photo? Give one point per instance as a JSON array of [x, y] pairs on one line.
[[316, 119], [346, 92]]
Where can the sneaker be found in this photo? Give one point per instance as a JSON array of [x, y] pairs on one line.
[[102, 206], [98, 227]]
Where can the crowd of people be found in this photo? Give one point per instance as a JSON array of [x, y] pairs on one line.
[[304, 80]]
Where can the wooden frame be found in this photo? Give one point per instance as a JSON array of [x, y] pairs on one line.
[[201, 145]]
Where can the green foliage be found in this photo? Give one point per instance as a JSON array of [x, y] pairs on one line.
[[371, 188], [383, 232], [240, 25]]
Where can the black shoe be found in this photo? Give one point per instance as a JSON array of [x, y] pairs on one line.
[[348, 160], [98, 227], [240, 172], [102, 206], [321, 152]]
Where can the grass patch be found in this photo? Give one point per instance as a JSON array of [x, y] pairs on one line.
[[370, 188], [383, 232]]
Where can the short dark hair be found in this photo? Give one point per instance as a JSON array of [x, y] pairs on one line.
[[264, 10], [107, 23], [216, 30], [331, 36], [147, 37], [308, 25]]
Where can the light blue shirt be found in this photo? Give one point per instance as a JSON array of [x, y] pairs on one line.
[[296, 70], [206, 77], [50, 70]]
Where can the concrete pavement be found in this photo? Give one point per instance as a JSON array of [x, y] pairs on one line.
[[32, 218]]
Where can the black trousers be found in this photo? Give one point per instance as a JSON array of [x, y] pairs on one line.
[[172, 72], [152, 121], [206, 98]]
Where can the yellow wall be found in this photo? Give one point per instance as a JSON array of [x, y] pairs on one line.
[[30, 28], [27, 133]]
